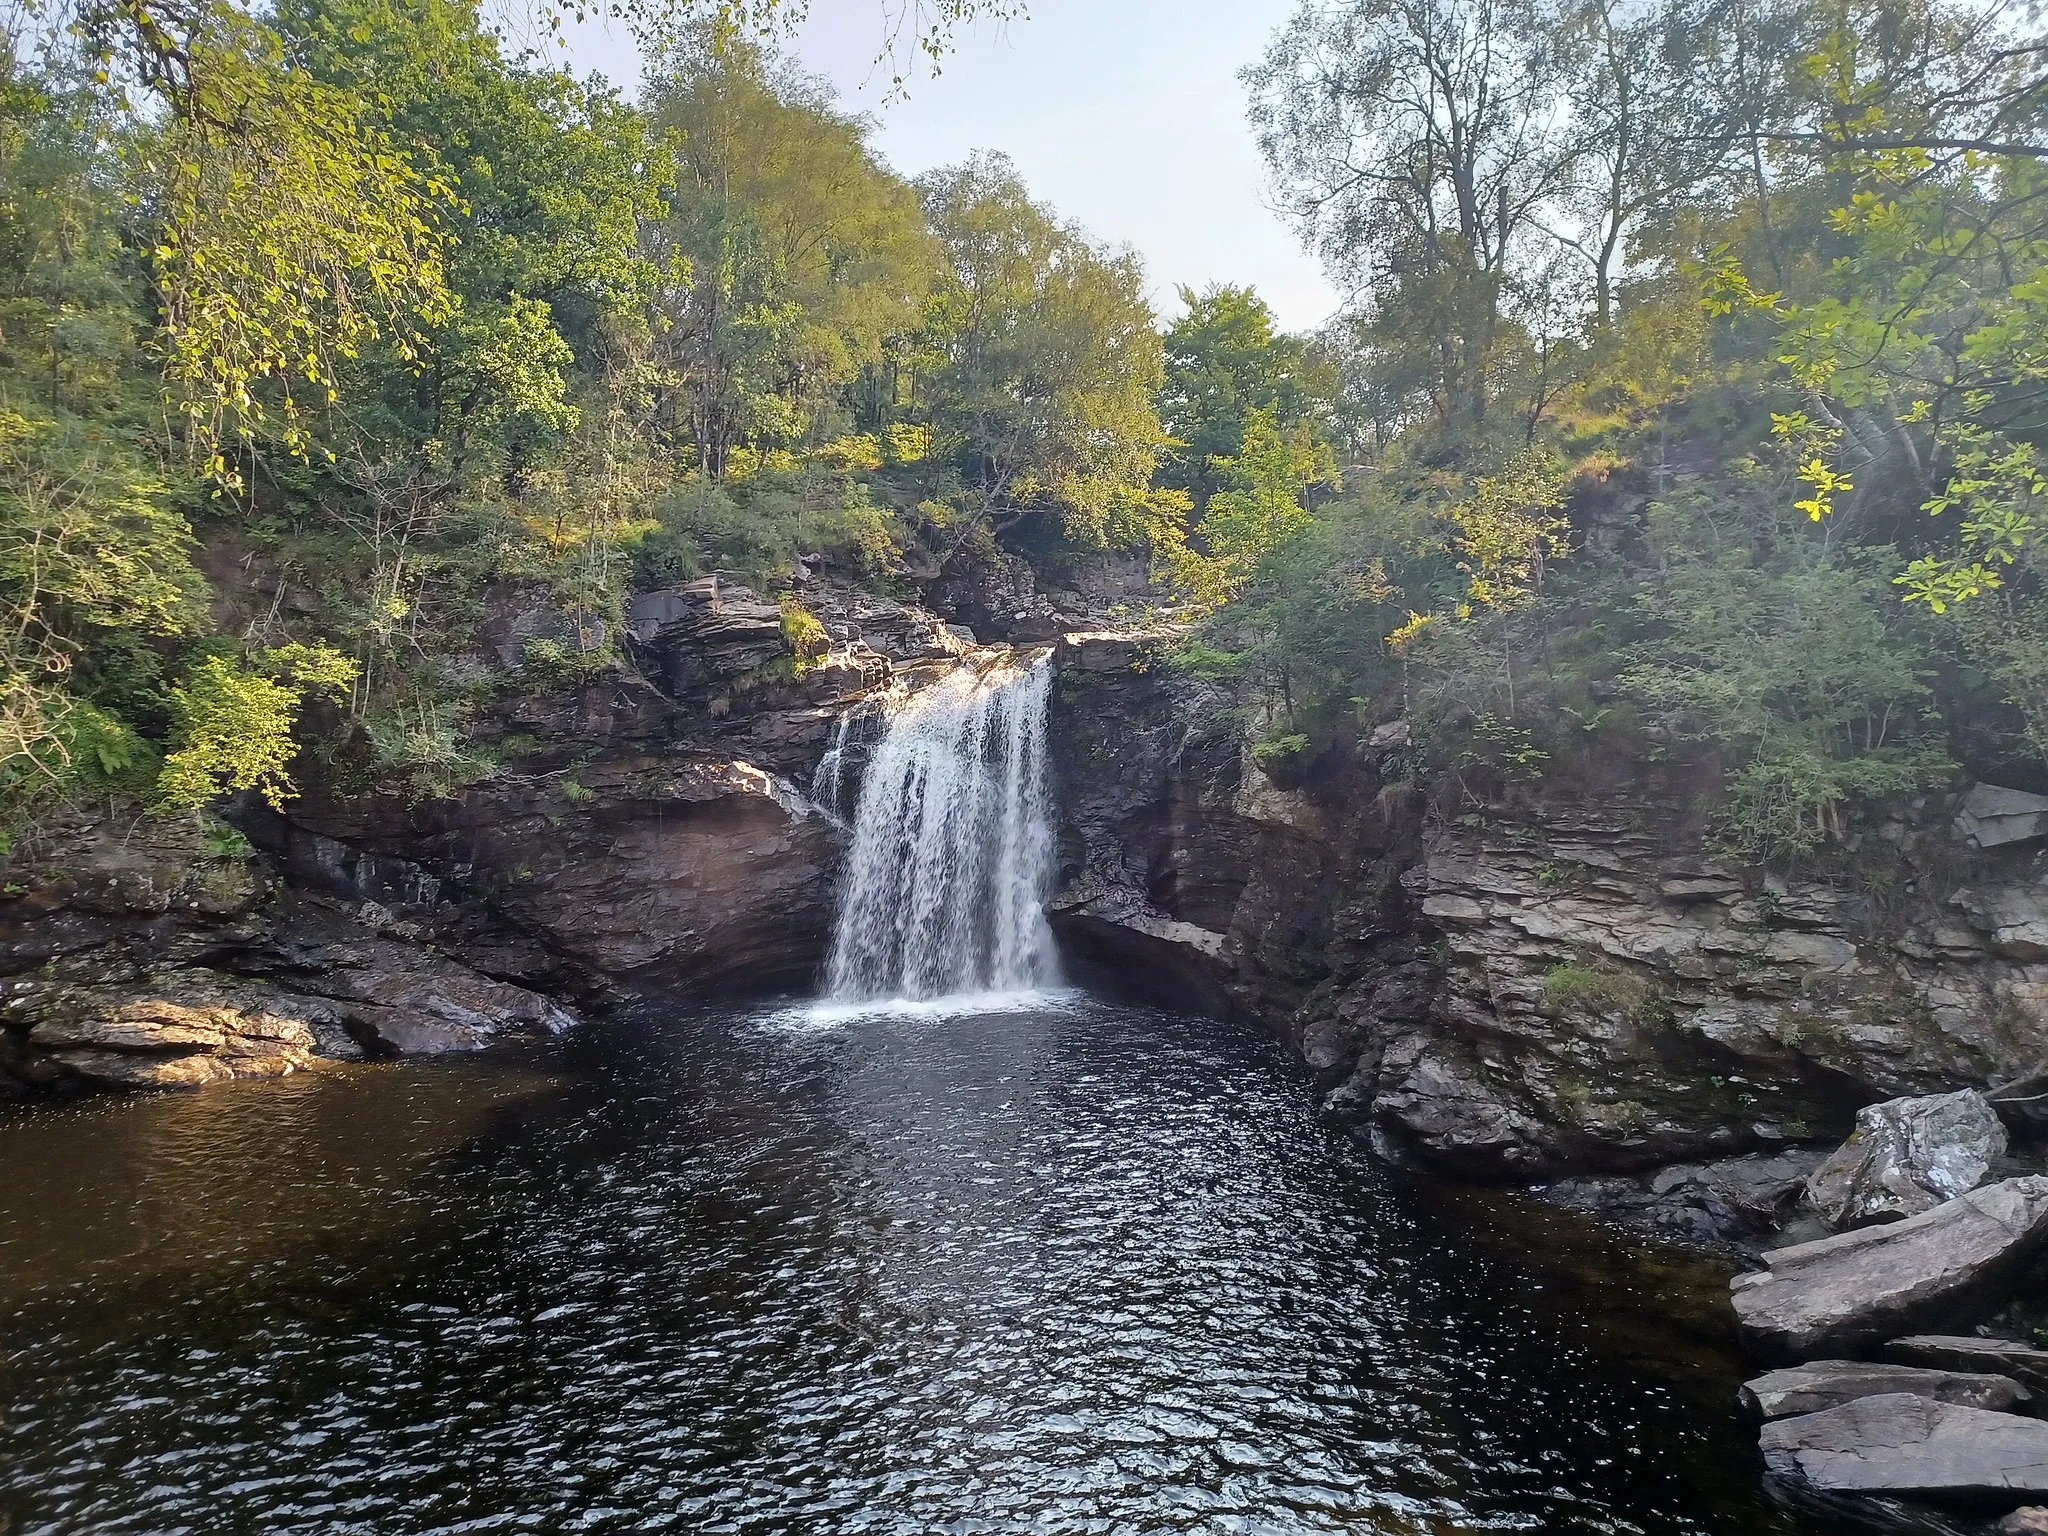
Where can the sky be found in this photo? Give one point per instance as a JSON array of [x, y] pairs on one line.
[[1125, 115]]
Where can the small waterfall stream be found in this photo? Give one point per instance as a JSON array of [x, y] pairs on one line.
[[946, 878]]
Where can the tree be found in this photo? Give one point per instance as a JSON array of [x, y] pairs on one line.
[[1225, 359], [1419, 145], [1264, 492], [1046, 362], [791, 254]]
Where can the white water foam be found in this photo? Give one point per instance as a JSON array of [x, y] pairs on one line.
[[944, 893]]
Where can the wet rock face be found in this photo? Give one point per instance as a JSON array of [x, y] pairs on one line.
[[134, 958], [1638, 1005], [1182, 865], [682, 870], [1727, 1200], [1907, 1156]]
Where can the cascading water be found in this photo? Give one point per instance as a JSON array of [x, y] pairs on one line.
[[831, 774], [952, 846]]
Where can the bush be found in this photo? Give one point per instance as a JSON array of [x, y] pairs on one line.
[[1282, 758], [804, 635], [234, 725], [1597, 989], [547, 661], [422, 742]]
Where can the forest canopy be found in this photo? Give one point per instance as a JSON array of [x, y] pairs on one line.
[[1686, 406]]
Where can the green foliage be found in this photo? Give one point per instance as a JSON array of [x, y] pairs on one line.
[[224, 842], [789, 257], [1795, 663], [551, 664], [421, 743], [294, 233], [1597, 988], [1281, 756], [1262, 494], [804, 635], [234, 725], [1226, 361], [1044, 363]]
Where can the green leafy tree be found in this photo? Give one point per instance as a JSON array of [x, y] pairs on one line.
[[1263, 496], [791, 255], [1045, 365], [1226, 359]]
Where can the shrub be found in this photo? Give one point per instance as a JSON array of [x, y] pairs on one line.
[[234, 725], [422, 742], [804, 635], [549, 662], [1598, 989]]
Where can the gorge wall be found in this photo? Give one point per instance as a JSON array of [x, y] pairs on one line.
[[1553, 984], [1549, 984]]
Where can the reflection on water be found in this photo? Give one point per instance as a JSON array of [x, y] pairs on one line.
[[1070, 1268], [111, 1194]]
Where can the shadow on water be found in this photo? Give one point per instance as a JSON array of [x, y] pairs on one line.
[[1065, 1267]]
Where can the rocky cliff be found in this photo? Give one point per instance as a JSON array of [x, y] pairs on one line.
[[1556, 982], [647, 827]]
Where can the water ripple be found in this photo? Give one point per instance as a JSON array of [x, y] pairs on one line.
[[1054, 1267]]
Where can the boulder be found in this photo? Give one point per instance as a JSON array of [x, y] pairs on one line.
[[179, 1029], [2031, 1521], [1841, 1293], [1826, 1384], [1107, 650], [1992, 816], [1914, 1447], [697, 640], [1967, 1352], [1907, 1156]]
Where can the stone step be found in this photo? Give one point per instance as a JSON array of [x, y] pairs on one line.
[[1825, 1384], [1843, 1294], [1905, 1446], [1967, 1352]]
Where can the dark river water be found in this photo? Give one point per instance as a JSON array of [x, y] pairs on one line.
[[1073, 1268]]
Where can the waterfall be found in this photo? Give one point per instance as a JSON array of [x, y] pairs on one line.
[[825, 783], [946, 880]]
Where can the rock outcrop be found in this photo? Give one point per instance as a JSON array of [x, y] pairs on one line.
[[637, 868], [131, 1029], [1973, 1352], [1907, 1156], [1910, 1446], [1824, 1384], [133, 956], [1846, 1292], [1546, 982]]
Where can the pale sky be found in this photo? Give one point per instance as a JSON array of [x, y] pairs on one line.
[[1125, 115]]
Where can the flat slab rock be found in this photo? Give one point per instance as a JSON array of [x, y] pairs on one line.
[[1912, 1447], [1967, 1352], [1839, 1294], [1825, 1384]]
